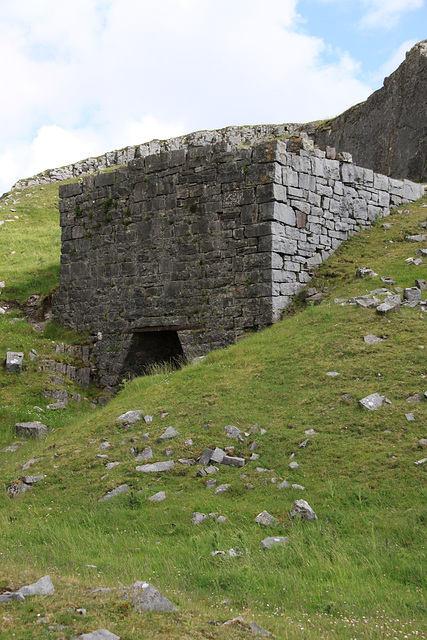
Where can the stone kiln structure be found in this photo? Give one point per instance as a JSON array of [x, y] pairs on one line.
[[181, 252]]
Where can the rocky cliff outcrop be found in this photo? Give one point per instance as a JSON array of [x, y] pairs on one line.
[[388, 132]]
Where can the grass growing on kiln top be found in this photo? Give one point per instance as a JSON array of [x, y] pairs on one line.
[[359, 571]]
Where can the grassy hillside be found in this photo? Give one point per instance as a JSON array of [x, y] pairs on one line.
[[359, 571]]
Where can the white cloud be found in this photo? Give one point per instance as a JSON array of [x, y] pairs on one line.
[[87, 76], [395, 60], [387, 13], [146, 129]]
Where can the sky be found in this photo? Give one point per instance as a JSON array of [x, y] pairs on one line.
[[82, 77]]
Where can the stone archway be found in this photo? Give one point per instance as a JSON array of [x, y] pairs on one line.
[[152, 346]]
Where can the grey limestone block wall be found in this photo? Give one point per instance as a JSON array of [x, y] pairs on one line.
[[316, 203], [207, 241]]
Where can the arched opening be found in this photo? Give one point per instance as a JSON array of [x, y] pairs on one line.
[[150, 347]]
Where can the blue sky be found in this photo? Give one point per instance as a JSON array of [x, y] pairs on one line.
[[81, 77]]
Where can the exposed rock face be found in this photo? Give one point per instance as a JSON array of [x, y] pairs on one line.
[[387, 132]]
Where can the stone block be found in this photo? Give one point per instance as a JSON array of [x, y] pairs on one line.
[[70, 190], [14, 361], [271, 192], [233, 461], [381, 182], [412, 296], [347, 173], [30, 429], [289, 177]]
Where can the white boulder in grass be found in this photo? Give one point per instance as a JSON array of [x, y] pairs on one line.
[[266, 519], [303, 510], [130, 417], [145, 597], [99, 634], [372, 402], [42, 587]]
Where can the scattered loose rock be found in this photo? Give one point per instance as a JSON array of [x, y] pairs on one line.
[[412, 296], [42, 587], [144, 597], [222, 488], [266, 519], [146, 454], [10, 596], [16, 489], [372, 402], [99, 634], [31, 479], [417, 397], [371, 339], [168, 434], [56, 406], [269, 543], [199, 518], [218, 455], [158, 497], [206, 456], [28, 464], [111, 465], [233, 461], [34, 356], [310, 432], [392, 303], [130, 417], [211, 469], [232, 432], [115, 492], [14, 361], [420, 237], [259, 630], [30, 429], [421, 284], [303, 510], [362, 272], [156, 467]]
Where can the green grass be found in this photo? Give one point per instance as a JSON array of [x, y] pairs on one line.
[[358, 572], [30, 243]]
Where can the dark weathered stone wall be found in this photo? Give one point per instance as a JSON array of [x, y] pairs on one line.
[[388, 132], [205, 241], [168, 241]]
